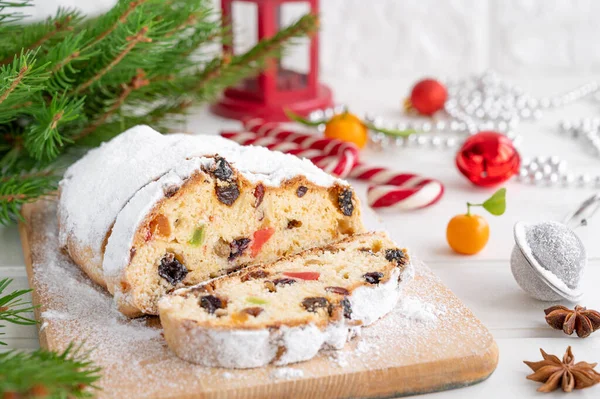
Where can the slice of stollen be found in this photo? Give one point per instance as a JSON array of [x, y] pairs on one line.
[[286, 311]]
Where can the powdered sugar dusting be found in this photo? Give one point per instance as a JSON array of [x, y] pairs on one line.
[[414, 309], [425, 327], [287, 373]]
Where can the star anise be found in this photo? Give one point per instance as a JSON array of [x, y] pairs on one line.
[[566, 374], [580, 319]]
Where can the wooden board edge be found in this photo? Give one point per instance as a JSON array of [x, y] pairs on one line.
[[488, 363], [481, 367], [25, 232]]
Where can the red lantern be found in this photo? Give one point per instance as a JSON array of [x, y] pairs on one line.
[[283, 85]]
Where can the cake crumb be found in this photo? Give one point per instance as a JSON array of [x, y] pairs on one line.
[[227, 375], [287, 373]]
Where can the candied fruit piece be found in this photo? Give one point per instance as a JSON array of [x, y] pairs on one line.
[[270, 286], [211, 303], [347, 308], [254, 274], [159, 226], [171, 269], [292, 224], [222, 248], [256, 300], [284, 281], [260, 238], [313, 304], [337, 290], [198, 237], [373, 277], [239, 317], [345, 202], [237, 248], [222, 170], [253, 311], [227, 193], [395, 255], [259, 194], [303, 275], [301, 191]]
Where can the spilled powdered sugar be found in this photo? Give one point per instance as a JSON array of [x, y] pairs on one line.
[[411, 313], [135, 356], [227, 375], [287, 373], [415, 309]]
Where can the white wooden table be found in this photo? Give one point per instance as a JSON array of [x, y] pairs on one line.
[[484, 281]]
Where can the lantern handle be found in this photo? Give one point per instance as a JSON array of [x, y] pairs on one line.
[[582, 215]]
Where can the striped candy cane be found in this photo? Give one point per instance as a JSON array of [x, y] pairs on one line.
[[333, 156], [404, 191]]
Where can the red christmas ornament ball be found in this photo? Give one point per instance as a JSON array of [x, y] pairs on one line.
[[428, 96], [488, 159]]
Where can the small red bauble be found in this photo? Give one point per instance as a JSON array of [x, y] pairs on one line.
[[428, 96], [488, 159]]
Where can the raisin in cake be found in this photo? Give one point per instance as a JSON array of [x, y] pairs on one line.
[[286, 311], [146, 213]]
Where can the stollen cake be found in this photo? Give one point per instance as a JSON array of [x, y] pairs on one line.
[[287, 310], [147, 213]]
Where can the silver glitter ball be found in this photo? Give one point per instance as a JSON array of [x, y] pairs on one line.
[[548, 261]]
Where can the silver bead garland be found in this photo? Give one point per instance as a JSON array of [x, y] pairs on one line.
[[587, 131], [486, 102]]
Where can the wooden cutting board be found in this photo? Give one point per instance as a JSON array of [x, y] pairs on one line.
[[440, 346]]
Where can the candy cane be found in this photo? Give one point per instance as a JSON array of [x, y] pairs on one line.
[[397, 190], [405, 191], [306, 140], [338, 160]]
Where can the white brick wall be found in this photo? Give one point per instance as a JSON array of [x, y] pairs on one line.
[[387, 38]]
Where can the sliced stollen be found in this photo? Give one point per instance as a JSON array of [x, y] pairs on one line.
[[286, 311], [183, 209], [95, 188]]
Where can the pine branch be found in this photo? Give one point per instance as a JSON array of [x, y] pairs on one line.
[[12, 17], [70, 374], [43, 33], [43, 140], [17, 190], [136, 83], [62, 57], [12, 306], [59, 26], [20, 81], [13, 85], [139, 37], [121, 19]]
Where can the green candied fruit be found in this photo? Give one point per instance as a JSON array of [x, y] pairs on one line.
[[256, 301], [197, 237]]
